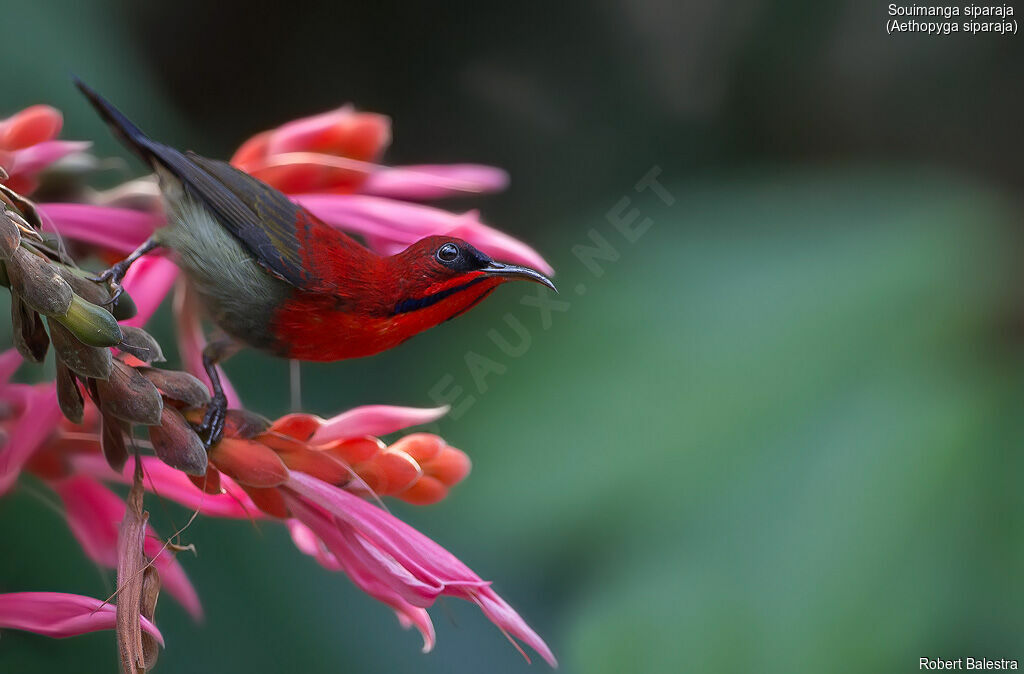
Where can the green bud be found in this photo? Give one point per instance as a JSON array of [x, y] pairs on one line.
[[82, 359], [124, 308], [97, 293], [91, 324]]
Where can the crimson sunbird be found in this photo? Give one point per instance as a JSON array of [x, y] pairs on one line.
[[274, 277]]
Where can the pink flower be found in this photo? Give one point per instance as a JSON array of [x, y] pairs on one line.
[[38, 414], [27, 145], [408, 615], [59, 615], [387, 557]]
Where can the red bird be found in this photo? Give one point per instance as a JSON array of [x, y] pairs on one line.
[[274, 277]]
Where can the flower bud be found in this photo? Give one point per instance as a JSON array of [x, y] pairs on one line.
[[89, 290], [30, 336], [129, 396], [297, 455], [83, 360], [30, 126], [38, 283], [178, 386], [91, 324], [177, 445], [208, 482], [269, 501], [140, 344], [112, 442], [389, 472], [69, 397], [297, 425], [249, 463]]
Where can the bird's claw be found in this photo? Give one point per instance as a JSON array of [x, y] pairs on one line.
[[212, 428], [112, 278]]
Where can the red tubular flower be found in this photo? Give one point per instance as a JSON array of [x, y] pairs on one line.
[[307, 155], [27, 145]]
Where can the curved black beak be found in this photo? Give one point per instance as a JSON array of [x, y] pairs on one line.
[[516, 272]]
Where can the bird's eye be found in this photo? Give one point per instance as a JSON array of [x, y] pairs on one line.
[[448, 252]]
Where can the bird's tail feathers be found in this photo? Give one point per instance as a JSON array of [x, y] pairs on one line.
[[126, 130]]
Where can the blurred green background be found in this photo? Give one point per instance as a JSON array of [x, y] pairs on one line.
[[782, 432]]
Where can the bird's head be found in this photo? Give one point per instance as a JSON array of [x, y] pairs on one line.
[[440, 277]]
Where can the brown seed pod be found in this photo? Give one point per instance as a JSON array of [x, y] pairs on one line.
[[140, 344], [112, 442], [177, 444], [147, 605], [69, 397], [10, 237], [129, 396], [89, 290], [30, 336], [84, 360], [38, 283], [23, 206], [178, 386]]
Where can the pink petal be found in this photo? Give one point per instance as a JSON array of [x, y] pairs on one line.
[[10, 361], [375, 420], [147, 282], [408, 615], [512, 624], [118, 229], [36, 157], [191, 342], [388, 551], [340, 131], [434, 181], [298, 134], [172, 484], [59, 615], [37, 421], [94, 512], [35, 124], [404, 223]]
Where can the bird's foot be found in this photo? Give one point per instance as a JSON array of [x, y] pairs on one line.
[[112, 278], [212, 428]]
